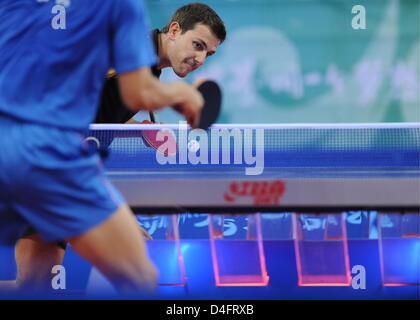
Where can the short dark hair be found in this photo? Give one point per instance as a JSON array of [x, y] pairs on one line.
[[191, 14]]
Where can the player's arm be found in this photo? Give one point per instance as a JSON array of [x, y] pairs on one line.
[[132, 120], [140, 90]]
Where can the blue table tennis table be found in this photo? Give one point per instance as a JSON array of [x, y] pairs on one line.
[[307, 174], [302, 168], [295, 187]]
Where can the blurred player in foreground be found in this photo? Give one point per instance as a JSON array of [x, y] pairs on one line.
[[50, 83]]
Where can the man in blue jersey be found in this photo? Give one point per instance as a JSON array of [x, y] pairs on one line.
[[193, 34], [50, 84]]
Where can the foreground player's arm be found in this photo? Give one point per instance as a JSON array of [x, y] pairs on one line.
[[196, 84], [140, 90]]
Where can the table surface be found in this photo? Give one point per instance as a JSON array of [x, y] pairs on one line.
[[305, 167]]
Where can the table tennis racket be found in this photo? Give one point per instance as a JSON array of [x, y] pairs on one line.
[[150, 139], [212, 95]]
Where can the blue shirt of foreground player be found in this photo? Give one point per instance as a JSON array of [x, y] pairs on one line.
[[54, 77]]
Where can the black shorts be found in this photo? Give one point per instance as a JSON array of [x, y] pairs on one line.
[[31, 231]]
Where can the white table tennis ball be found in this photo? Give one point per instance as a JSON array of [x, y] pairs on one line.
[[193, 145]]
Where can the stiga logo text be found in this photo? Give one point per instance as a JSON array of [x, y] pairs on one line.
[[262, 192]]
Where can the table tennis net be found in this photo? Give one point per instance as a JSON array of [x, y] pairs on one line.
[[396, 145]]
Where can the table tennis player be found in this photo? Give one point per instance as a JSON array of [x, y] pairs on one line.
[[50, 83], [193, 33]]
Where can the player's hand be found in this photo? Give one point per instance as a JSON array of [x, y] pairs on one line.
[[199, 82], [190, 104]]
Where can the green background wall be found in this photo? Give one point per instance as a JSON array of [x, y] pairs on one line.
[[300, 61]]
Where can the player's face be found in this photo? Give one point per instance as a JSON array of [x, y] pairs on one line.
[[190, 50]]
